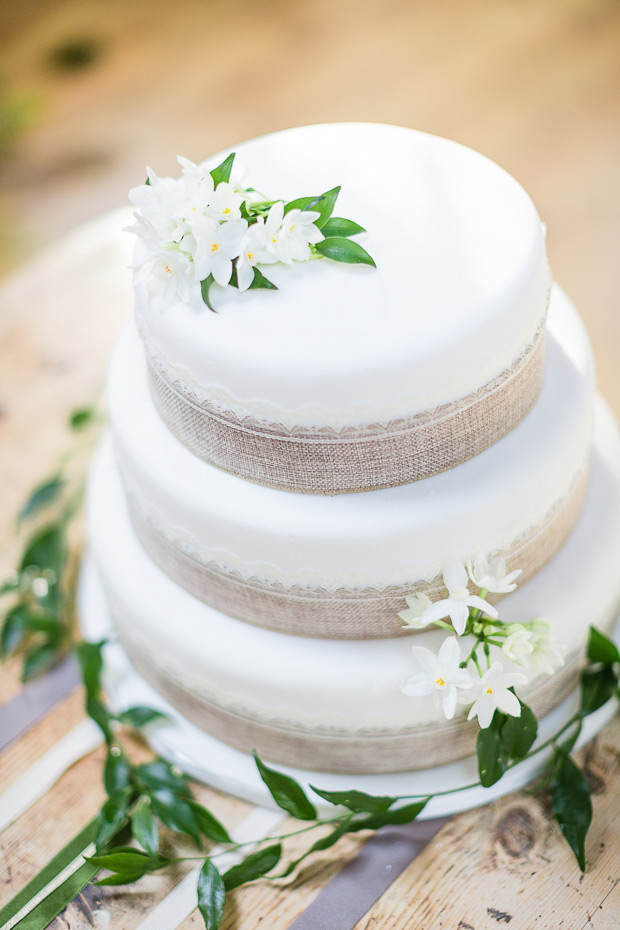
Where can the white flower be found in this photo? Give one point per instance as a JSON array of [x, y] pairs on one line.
[[165, 273], [491, 693], [253, 251], [297, 231], [492, 575], [518, 644], [217, 244], [439, 675], [159, 202], [547, 653], [225, 203], [457, 604], [416, 608], [197, 194], [273, 224]]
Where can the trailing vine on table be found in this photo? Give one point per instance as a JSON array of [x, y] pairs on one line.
[[144, 799]]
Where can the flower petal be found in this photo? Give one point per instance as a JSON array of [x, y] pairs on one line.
[[474, 601], [454, 574], [459, 612]]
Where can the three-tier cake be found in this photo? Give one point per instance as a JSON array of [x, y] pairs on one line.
[[309, 492]]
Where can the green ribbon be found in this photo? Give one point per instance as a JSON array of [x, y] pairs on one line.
[[50, 906]]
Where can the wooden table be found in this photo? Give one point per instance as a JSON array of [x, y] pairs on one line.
[[504, 864]]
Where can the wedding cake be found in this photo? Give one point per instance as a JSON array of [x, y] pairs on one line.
[[359, 488]]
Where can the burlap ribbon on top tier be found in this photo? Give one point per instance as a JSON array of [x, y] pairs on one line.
[[345, 613], [324, 460]]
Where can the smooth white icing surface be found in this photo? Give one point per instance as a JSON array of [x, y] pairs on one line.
[[344, 683], [373, 538], [459, 291]]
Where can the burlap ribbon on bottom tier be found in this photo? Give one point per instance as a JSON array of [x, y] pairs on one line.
[[324, 460], [325, 748], [346, 613]]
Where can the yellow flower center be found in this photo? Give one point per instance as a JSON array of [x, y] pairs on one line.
[[168, 269], [291, 228], [440, 683], [250, 256], [225, 210], [489, 691], [214, 247]]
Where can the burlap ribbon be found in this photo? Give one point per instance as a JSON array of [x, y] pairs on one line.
[[324, 460], [346, 613], [325, 748]]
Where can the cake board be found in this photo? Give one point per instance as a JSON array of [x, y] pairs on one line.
[[228, 770]]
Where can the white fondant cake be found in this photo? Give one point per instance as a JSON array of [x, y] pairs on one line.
[[274, 620]]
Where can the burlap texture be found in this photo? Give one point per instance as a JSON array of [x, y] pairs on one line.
[[323, 460], [347, 613]]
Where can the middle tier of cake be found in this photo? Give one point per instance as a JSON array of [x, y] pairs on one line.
[[342, 566]]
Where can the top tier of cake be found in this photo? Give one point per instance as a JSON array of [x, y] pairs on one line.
[[457, 300], [459, 290]]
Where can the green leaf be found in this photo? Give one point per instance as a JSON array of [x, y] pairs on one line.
[[222, 172], [209, 824], [83, 416], [159, 774], [139, 716], [491, 761], [98, 712], [572, 806], [91, 663], [205, 287], [112, 816], [45, 622], [567, 744], [211, 895], [344, 250], [176, 813], [357, 801], [338, 226], [518, 734], [43, 495], [144, 828], [598, 685], [121, 878], [253, 866], [326, 206], [400, 815], [148, 182], [600, 648], [39, 659], [286, 792], [46, 549], [126, 859], [116, 772], [303, 203], [14, 630], [260, 282]]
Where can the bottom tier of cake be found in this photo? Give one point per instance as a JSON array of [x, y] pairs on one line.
[[215, 763], [336, 705]]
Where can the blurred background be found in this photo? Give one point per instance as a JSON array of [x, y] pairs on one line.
[[90, 92]]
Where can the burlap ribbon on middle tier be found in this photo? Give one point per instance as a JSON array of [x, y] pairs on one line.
[[324, 460], [345, 613]]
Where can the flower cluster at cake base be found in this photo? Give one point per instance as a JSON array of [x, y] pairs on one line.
[[485, 678], [208, 227]]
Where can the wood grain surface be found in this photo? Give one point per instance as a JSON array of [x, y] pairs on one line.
[[533, 85]]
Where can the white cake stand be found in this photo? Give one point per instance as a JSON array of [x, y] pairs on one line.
[[233, 772]]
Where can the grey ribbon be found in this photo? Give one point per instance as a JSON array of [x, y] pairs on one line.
[[35, 699], [362, 881]]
